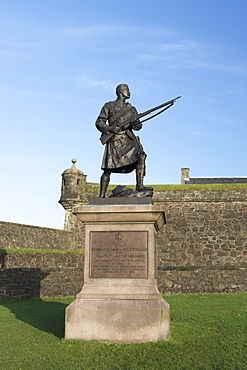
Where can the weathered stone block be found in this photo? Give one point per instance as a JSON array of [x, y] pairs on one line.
[[119, 301]]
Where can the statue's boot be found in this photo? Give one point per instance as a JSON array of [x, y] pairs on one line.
[[104, 182], [140, 173], [139, 182]]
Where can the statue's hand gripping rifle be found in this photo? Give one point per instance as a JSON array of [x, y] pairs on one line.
[[135, 118]]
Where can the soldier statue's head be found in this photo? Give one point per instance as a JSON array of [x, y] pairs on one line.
[[123, 90]]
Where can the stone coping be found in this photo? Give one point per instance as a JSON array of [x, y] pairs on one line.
[[120, 201], [122, 213]]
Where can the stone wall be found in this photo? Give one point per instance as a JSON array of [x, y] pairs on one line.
[[186, 179], [215, 180], [202, 248], [44, 274], [33, 237]]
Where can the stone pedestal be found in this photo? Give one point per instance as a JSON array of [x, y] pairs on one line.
[[119, 301]]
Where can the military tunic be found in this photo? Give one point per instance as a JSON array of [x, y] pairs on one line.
[[124, 148]]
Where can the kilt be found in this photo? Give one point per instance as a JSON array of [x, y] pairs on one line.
[[121, 154]]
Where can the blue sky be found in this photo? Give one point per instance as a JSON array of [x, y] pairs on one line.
[[60, 61]]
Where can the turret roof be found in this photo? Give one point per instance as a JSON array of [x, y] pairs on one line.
[[73, 169]]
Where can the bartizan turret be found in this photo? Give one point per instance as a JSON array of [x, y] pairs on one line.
[[73, 191]]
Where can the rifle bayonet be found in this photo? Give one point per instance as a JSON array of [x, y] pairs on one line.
[[107, 137]]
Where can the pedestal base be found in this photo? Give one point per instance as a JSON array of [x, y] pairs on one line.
[[126, 321], [119, 301]]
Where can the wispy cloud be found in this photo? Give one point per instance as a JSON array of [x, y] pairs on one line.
[[236, 68], [114, 29], [187, 56], [17, 160], [197, 133], [89, 30], [107, 44], [88, 81], [6, 91]]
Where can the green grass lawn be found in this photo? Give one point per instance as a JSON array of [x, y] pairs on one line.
[[180, 187], [208, 331]]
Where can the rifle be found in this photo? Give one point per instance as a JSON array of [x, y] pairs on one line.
[[109, 135]]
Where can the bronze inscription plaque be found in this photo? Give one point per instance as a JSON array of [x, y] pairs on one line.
[[118, 254]]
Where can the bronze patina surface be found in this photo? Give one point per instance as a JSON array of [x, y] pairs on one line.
[[121, 254]]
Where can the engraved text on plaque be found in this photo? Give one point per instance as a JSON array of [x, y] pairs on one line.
[[118, 254]]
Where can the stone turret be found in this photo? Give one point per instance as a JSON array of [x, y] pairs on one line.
[[185, 175], [73, 191]]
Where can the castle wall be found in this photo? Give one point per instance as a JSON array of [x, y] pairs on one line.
[[44, 274], [17, 236], [42, 270], [202, 248], [215, 180]]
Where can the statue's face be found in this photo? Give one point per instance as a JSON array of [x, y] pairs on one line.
[[125, 91]]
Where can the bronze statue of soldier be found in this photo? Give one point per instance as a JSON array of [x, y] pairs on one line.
[[123, 151]]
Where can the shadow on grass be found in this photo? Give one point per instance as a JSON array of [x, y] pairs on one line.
[[43, 315]]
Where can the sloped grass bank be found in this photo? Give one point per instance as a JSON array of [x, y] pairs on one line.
[[181, 187], [208, 331]]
